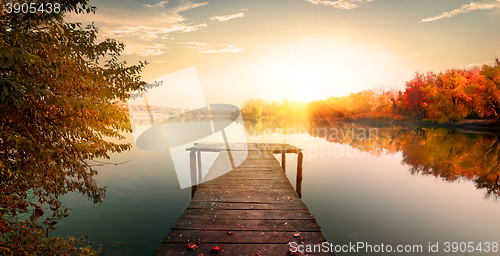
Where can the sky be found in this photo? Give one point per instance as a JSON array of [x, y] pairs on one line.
[[299, 49]]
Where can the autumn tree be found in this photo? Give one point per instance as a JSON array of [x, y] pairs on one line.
[[398, 104], [452, 96], [491, 89], [56, 108], [415, 93]]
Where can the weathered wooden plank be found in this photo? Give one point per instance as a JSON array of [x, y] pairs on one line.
[[250, 181], [273, 147], [256, 174], [261, 147], [244, 199], [248, 225], [249, 237], [266, 196], [237, 189], [239, 146], [202, 204], [206, 146], [234, 199], [229, 249], [248, 214]]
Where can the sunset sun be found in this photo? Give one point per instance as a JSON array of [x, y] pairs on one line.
[[306, 92]]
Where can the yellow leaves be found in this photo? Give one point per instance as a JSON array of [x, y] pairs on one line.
[[55, 109]]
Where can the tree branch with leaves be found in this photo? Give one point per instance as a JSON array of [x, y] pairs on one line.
[[57, 95]]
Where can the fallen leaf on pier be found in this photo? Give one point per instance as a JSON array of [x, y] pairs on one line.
[[216, 249], [192, 246], [229, 232], [296, 234]]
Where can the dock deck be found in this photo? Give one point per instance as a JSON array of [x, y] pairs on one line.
[[250, 210]]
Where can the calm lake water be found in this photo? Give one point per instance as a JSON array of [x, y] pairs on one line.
[[390, 185]]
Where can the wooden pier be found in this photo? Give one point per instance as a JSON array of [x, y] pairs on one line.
[[250, 209]]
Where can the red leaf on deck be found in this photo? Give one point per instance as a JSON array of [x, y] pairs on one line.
[[192, 246], [229, 232], [302, 239], [216, 249]]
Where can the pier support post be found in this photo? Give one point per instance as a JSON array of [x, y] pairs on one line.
[[283, 160], [200, 174], [298, 183], [192, 165]]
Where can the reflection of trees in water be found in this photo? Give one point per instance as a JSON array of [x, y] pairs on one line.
[[281, 125], [443, 153]]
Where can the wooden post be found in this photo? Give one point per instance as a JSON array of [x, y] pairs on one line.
[[200, 174], [298, 183], [192, 165], [283, 160]]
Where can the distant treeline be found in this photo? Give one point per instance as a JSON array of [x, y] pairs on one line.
[[257, 108], [449, 96]]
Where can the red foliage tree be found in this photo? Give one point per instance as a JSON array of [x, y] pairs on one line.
[[415, 95]]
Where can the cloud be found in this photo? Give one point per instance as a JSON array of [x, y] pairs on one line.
[[188, 6], [481, 5], [340, 4], [160, 4], [139, 25], [206, 47], [228, 17], [144, 50], [183, 6], [148, 33], [475, 65]]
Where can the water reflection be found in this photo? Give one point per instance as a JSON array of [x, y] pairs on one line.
[[447, 154], [285, 126], [374, 200]]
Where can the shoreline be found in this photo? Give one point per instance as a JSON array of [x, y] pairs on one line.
[[469, 126]]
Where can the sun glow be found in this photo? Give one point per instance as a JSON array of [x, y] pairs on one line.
[[294, 79], [306, 92], [306, 70]]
